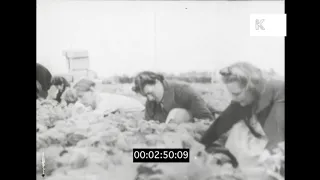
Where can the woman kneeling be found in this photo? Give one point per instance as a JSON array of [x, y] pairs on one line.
[[169, 100]]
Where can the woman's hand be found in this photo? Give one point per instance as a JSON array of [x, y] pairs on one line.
[[52, 93], [111, 111], [39, 87], [264, 156], [40, 99], [179, 115], [169, 118]]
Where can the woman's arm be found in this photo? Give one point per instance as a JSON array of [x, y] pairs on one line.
[[231, 115], [149, 111], [153, 111]]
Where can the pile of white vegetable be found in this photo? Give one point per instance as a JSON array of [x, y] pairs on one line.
[[82, 145]]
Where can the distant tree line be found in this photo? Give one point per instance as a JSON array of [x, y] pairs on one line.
[[189, 77]]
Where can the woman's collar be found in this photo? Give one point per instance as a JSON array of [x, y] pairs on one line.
[[165, 85], [168, 95]]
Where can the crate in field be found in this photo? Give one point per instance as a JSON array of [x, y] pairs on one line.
[[74, 54], [77, 60], [79, 64]]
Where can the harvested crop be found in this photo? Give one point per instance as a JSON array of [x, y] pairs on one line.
[[83, 145]]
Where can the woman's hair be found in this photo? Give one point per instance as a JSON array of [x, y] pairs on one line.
[[84, 85], [247, 75], [59, 80], [144, 78], [70, 96]]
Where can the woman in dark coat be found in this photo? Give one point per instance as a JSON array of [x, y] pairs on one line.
[[43, 81], [169, 100], [61, 84]]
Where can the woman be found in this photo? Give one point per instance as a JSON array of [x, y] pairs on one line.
[[255, 116], [104, 103], [168, 100], [69, 96], [43, 81], [61, 84]]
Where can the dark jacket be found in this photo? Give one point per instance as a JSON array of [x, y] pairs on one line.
[[59, 94], [44, 78], [178, 95], [269, 111]]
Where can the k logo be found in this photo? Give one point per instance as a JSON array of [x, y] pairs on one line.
[[259, 24]]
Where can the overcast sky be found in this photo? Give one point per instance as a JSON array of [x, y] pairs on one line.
[[126, 37]]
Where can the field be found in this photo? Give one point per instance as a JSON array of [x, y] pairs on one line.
[[85, 146]]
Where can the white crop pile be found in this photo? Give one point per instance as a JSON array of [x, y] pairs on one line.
[[86, 146]]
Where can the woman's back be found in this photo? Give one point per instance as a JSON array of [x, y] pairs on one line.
[[43, 79]]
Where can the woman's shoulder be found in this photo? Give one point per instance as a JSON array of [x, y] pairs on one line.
[[276, 85], [177, 84], [276, 89], [180, 87], [276, 82]]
